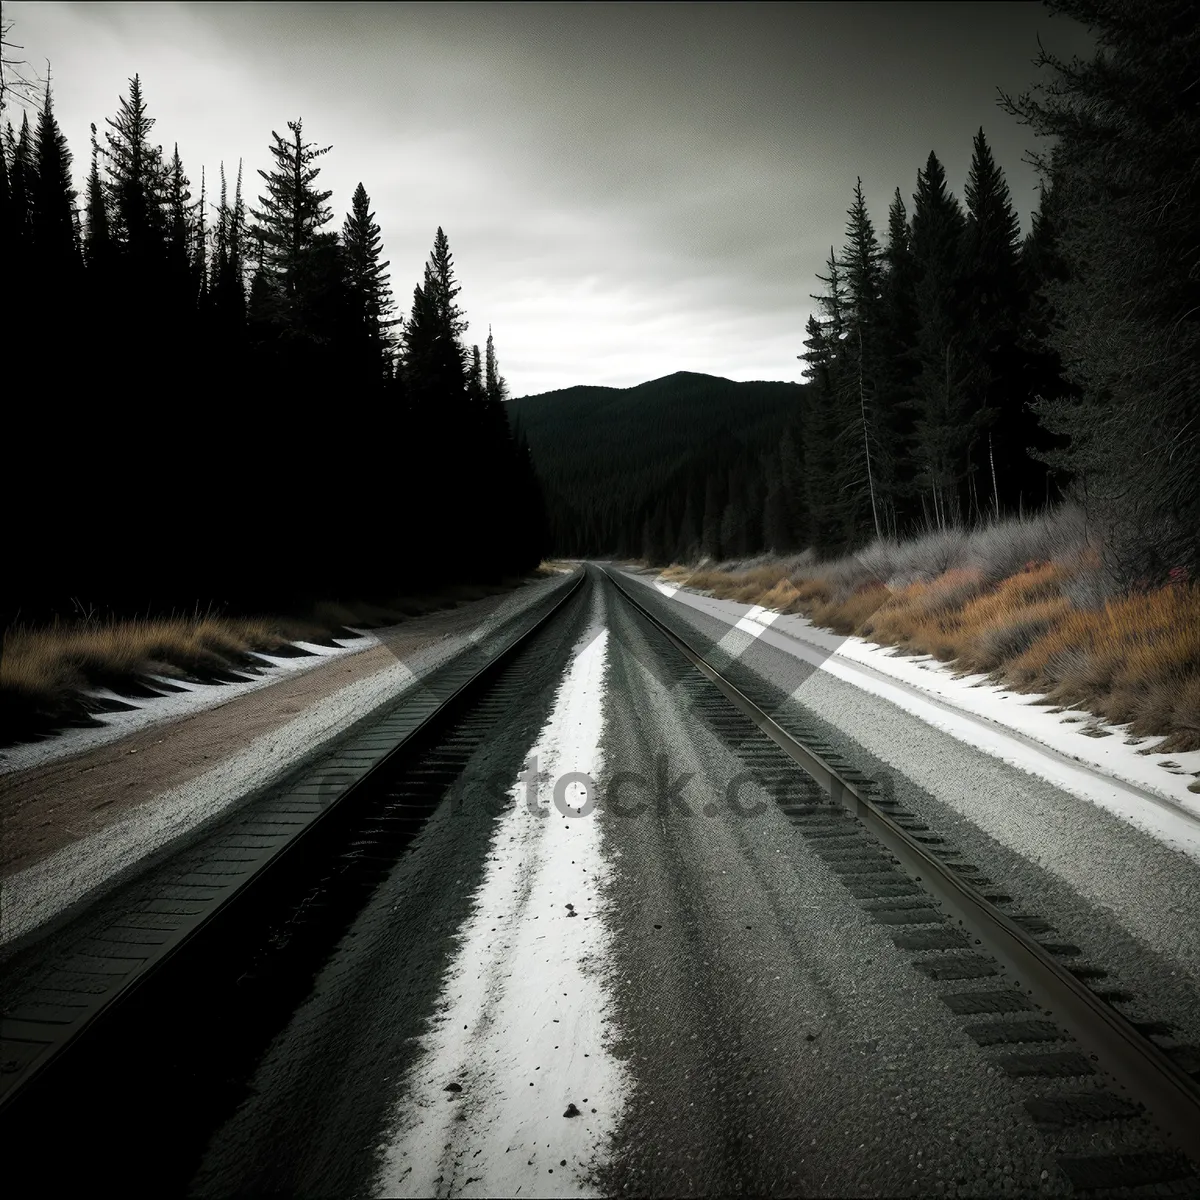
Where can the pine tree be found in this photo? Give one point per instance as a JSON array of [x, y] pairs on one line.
[[292, 211], [22, 185], [1043, 378], [863, 275], [434, 371], [6, 206], [440, 285], [53, 219], [898, 369], [198, 250], [993, 303], [827, 422], [369, 285], [137, 187], [180, 217], [531, 538], [97, 244], [945, 432], [1127, 313], [475, 390], [227, 288], [494, 382], [776, 535], [736, 537], [301, 317]]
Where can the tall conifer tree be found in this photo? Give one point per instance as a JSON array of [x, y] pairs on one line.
[[227, 288], [97, 244], [22, 185], [368, 284], [864, 453], [898, 368], [441, 286], [993, 303], [1127, 313], [944, 431], [53, 219], [180, 218], [137, 185], [292, 210], [494, 382], [475, 389], [827, 424]]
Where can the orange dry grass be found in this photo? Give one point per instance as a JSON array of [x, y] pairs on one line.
[[45, 673], [722, 584], [925, 617], [954, 617], [846, 617], [812, 592], [1136, 660], [781, 597], [50, 662], [678, 573]]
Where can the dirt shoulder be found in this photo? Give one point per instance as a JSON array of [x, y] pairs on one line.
[[48, 807]]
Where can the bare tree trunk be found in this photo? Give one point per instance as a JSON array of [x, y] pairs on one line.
[[862, 401]]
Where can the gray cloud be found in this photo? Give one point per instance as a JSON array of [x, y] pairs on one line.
[[629, 189]]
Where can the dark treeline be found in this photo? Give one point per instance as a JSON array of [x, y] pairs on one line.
[[215, 403], [923, 364], [957, 372]]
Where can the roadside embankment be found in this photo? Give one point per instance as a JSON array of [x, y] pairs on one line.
[[86, 808], [1028, 604]]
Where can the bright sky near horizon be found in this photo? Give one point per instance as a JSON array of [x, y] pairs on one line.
[[629, 190]]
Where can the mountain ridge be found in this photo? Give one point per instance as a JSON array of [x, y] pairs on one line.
[[609, 457], [662, 379]]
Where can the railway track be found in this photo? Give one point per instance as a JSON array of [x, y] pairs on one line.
[[88, 1006], [1046, 1014], [135, 1031]]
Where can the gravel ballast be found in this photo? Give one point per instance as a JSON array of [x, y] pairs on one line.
[[1124, 898]]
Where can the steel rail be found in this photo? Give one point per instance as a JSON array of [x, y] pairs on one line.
[[29, 1047], [1168, 1093]]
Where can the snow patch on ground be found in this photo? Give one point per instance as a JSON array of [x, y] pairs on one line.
[[1007, 725], [520, 1036]]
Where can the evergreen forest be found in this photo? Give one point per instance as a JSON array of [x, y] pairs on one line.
[[213, 402], [954, 372]]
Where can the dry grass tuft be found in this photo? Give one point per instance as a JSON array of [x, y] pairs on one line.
[[846, 616], [1024, 601], [1135, 661], [781, 597], [46, 674]]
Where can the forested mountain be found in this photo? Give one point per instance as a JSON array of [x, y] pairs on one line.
[[628, 470], [920, 372], [216, 405], [954, 372]]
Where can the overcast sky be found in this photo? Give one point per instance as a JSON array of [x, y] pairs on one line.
[[628, 189]]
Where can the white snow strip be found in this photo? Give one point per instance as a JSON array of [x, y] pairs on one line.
[[521, 1025], [996, 720], [41, 891], [755, 621]]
